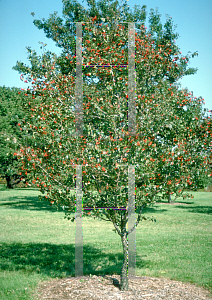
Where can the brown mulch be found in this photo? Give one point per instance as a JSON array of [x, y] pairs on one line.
[[107, 288]]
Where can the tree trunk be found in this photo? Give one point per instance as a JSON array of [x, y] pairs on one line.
[[9, 182], [124, 269], [16, 179], [169, 198], [12, 180]]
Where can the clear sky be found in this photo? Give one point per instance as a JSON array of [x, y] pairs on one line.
[[192, 17]]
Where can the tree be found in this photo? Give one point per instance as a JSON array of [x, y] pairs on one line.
[[63, 33], [11, 100], [106, 142]]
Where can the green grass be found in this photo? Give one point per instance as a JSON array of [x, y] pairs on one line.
[[37, 243]]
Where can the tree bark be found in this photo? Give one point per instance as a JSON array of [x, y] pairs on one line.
[[124, 269]]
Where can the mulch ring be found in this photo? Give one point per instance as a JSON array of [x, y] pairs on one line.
[[144, 288]]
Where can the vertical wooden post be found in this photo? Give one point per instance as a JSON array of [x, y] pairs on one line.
[[132, 131], [79, 82], [78, 132], [131, 80], [78, 219], [131, 221], [131, 168]]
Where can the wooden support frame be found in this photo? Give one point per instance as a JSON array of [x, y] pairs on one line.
[[131, 168]]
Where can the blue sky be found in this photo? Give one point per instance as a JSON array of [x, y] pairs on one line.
[[192, 17]]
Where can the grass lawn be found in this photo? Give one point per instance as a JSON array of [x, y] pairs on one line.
[[37, 243]]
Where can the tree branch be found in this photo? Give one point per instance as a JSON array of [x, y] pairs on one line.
[[114, 223], [138, 219], [64, 186]]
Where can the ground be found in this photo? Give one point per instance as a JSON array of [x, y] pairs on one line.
[[107, 287]]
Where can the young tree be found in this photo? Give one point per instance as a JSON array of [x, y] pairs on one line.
[[107, 144], [62, 31]]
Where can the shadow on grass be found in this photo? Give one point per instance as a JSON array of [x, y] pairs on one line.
[[4, 188], [150, 210], [197, 209], [181, 202], [33, 203], [28, 203], [59, 260]]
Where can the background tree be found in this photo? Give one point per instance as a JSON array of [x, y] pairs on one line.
[[50, 117], [11, 101]]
